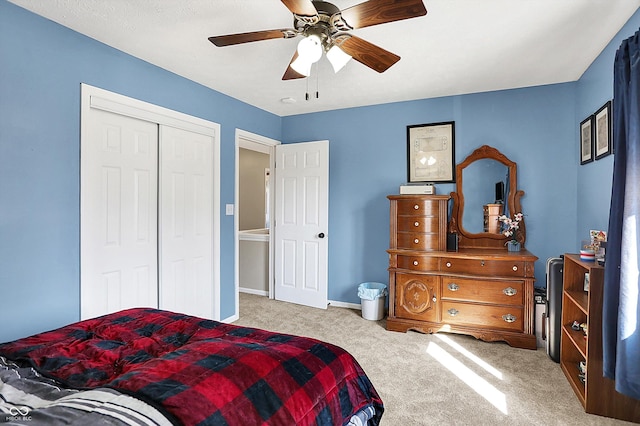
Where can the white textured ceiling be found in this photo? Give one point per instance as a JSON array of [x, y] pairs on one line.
[[460, 46]]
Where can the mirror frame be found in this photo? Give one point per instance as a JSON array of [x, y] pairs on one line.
[[467, 239]]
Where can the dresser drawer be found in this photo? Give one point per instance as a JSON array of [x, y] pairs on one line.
[[417, 263], [418, 207], [417, 241], [418, 224], [503, 317], [474, 290], [481, 267]]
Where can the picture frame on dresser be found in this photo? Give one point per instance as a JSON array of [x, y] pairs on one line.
[[602, 132], [431, 152], [586, 140]]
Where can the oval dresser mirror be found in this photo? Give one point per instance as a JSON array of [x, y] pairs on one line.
[[486, 187]]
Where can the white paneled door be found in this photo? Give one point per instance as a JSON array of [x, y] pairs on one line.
[[301, 223], [119, 214], [186, 209]]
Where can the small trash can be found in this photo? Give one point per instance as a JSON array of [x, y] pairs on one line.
[[372, 299]]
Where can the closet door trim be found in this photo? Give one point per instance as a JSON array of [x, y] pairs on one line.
[[119, 104]]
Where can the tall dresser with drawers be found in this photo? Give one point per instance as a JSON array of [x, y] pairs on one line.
[[484, 292]]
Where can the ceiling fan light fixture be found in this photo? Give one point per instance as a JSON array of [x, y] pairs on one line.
[[309, 52], [302, 66], [337, 57], [310, 48]]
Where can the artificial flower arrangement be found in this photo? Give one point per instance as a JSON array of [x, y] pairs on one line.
[[510, 227]]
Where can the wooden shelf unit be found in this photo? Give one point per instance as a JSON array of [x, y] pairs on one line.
[[597, 395]]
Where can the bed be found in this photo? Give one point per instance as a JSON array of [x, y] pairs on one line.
[[149, 366]]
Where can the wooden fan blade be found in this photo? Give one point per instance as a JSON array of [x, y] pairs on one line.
[[374, 12], [367, 53], [301, 7], [290, 73], [230, 39]]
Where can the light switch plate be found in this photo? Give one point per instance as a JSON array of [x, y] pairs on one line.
[[229, 209]]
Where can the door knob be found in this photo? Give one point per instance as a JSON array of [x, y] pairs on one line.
[[321, 235]]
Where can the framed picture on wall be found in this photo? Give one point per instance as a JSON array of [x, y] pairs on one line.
[[586, 140], [603, 143], [431, 152]]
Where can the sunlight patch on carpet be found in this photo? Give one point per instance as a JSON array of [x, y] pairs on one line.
[[469, 377], [485, 365]]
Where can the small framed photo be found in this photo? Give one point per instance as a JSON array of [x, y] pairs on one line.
[[431, 152], [586, 140], [603, 141], [586, 281]]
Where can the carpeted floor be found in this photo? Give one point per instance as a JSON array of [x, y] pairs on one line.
[[441, 379]]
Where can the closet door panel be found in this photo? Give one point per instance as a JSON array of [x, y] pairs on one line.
[[186, 222], [118, 214]]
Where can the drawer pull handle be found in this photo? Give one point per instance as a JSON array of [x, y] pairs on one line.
[[453, 312], [415, 263], [448, 264], [482, 263], [434, 299], [416, 224], [416, 207], [416, 241], [509, 318], [515, 268], [453, 287], [510, 291]]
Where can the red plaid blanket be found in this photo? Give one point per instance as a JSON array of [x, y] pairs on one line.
[[202, 372]]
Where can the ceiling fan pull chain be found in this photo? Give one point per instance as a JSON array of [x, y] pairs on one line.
[[317, 81]]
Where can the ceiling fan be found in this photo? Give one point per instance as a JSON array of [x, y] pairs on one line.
[[325, 29]]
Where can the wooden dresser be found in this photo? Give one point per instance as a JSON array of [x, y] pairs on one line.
[[483, 292]]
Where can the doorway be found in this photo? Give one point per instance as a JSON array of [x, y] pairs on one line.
[[298, 247], [253, 215], [254, 223]]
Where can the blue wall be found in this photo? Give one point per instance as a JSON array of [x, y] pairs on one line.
[[368, 161], [41, 68]]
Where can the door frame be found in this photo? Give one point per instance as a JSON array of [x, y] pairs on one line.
[[96, 98], [253, 142]]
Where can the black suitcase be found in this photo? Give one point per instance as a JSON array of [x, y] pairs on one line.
[[553, 321]]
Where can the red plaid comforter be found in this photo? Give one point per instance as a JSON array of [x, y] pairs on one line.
[[202, 372]]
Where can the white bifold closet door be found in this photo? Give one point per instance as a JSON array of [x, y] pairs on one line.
[[186, 209], [146, 217]]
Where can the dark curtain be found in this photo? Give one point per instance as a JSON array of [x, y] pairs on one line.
[[621, 313]]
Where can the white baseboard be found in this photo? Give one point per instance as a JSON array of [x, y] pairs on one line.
[[253, 291], [338, 304]]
